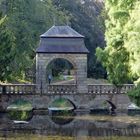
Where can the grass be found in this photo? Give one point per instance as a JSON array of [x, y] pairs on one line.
[[42, 137], [20, 105], [97, 81], [61, 102]]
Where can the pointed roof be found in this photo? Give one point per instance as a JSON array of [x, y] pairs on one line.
[[61, 31], [62, 39]]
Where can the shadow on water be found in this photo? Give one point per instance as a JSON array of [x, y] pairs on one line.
[[70, 126]]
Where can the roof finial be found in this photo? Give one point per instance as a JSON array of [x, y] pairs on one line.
[[54, 20], [68, 23]]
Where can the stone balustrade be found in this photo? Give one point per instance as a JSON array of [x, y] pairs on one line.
[[17, 89], [64, 89], [109, 89]]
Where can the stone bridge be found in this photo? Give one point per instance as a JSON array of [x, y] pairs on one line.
[[94, 98]]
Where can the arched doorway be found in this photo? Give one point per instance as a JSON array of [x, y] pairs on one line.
[[61, 71]]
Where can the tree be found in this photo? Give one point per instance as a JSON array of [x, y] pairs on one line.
[[27, 19], [132, 41], [7, 50], [86, 19], [132, 44], [115, 56]]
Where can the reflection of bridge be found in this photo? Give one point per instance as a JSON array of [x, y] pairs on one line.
[[42, 124]]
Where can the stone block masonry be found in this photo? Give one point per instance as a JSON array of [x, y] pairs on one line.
[[79, 62]]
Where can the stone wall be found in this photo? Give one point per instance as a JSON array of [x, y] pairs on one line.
[[81, 101], [79, 62]]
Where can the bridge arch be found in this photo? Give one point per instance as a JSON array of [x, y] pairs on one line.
[[65, 57], [68, 98], [54, 62]]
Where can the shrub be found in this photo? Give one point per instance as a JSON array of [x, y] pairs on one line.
[[134, 95]]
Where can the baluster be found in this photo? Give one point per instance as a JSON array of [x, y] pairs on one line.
[[57, 89], [18, 90], [28, 89], [23, 92], [100, 89], [66, 89], [1, 89], [75, 89], [103, 89], [22, 89], [15, 89], [12, 92], [108, 89], [70, 89], [52, 91], [12, 89], [32, 89], [7, 89], [49, 89], [94, 89]]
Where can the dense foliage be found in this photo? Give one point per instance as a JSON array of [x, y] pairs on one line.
[[27, 19], [132, 41], [121, 56], [134, 95], [7, 50], [87, 18], [116, 56]]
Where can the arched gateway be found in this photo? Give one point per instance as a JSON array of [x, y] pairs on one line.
[[61, 42]]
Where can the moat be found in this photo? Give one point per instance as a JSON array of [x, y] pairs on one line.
[[81, 126]]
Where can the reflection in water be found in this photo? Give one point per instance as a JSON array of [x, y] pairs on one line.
[[62, 117], [82, 127]]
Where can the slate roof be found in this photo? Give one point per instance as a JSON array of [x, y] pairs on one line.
[[62, 49], [61, 31], [62, 39]]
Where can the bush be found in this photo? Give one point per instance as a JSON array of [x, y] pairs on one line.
[[134, 95]]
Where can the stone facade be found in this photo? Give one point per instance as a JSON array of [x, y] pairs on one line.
[[79, 62]]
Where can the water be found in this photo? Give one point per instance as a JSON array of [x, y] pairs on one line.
[[72, 127]]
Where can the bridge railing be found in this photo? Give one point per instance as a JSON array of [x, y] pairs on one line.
[[17, 89], [62, 89], [109, 89]]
